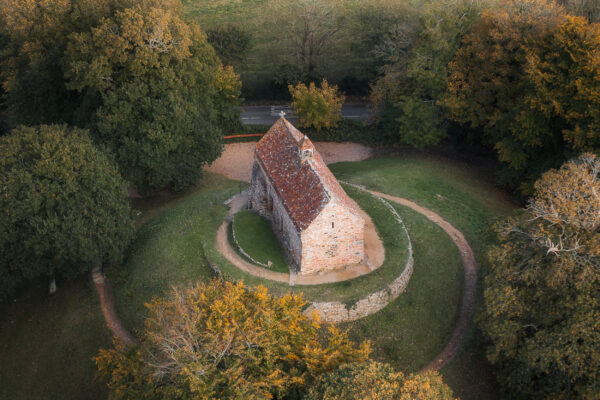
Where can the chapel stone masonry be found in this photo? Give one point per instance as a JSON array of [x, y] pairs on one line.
[[320, 228]]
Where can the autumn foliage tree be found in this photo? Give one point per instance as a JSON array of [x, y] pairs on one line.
[[528, 79], [377, 381], [223, 340], [63, 206], [317, 107], [542, 309]]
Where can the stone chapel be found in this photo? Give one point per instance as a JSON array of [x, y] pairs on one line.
[[319, 227]]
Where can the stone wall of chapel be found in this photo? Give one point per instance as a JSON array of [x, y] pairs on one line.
[[334, 239], [263, 199]]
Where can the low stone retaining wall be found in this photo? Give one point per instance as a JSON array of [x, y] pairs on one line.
[[335, 311]]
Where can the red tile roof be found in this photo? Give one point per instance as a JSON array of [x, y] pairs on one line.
[[303, 187]]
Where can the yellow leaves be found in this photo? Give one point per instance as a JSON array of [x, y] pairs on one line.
[[229, 341], [317, 107], [425, 386], [228, 82]]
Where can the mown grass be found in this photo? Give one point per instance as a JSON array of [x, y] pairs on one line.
[[408, 333], [411, 330], [47, 343], [255, 236], [169, 248]]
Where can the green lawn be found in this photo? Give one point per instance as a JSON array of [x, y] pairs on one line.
[[47, 343], [411, 330], [408, 333], [169, 248], [255, 236]]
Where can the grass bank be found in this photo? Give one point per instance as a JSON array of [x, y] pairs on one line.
[[169, 248], [255, 236], [411, 330]]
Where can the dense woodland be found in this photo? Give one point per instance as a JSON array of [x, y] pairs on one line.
[[102, 98]]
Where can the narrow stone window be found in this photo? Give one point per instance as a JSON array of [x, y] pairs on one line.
[[332, 225]]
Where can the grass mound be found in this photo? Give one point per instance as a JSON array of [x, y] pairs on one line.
[[255, 236]]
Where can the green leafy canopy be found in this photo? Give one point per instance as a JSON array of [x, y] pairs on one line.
[[63, 205]]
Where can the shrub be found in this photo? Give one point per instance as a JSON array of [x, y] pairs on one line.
[[317, 107]]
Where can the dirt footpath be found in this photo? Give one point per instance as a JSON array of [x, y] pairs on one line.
[[374, 251], [236, 160], [470, 283]]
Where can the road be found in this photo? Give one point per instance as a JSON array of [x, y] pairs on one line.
[[267, 115]]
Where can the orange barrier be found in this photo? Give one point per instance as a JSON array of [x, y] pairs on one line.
[[246, 135]]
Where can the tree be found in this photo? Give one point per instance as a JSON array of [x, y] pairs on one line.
[[310, 26], [564, 70], [408, 93], [376, 34], [223, 340], [317, 107], [63, 206], [35, 38], [162, 105], [527, 78], [542, 309], [377, 381], [230, 42], [589, 9]]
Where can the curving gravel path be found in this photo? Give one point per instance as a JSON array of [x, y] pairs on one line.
[[107, 304], [374, 250], [470, 281]]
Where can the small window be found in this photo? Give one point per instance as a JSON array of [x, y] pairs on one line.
[[332, 225]]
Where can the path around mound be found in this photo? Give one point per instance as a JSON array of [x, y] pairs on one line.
[[374, 250], [470, 281], [239, 167], [107, 304]]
